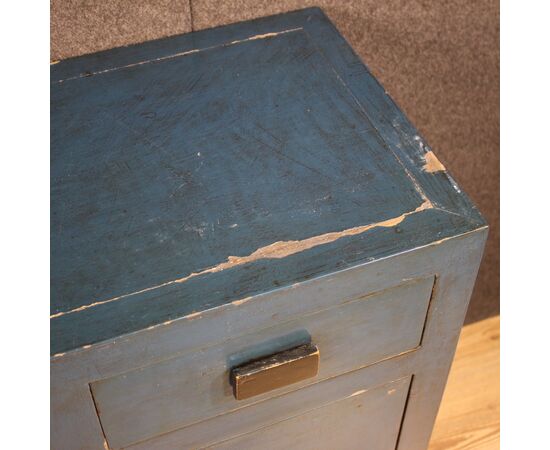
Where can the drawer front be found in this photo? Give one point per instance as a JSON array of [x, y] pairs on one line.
[[363, 420], [164, 397], [385, 398]]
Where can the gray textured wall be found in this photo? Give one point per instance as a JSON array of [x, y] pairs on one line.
[[438, 59]]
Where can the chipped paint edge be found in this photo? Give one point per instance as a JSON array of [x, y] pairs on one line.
[[126, 336], [185, 53], [432, 164], [275, 250]]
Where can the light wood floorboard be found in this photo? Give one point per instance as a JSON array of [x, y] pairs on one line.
[[469, 417]]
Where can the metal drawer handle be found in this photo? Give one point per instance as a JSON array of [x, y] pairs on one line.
[[275, 371]]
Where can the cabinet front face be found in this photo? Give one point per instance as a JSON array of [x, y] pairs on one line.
[[173, 394], [385, 332]]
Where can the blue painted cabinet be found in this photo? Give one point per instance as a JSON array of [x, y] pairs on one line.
[[228, 195]]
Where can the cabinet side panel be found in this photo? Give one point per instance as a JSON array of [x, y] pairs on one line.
[[450, 300]]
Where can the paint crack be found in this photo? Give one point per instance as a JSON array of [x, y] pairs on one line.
[[276, 250]]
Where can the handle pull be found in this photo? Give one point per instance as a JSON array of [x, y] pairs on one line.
[[275, 371]]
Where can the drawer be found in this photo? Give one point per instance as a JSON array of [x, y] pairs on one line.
[[367, 419], [380, 407], [178, 392]]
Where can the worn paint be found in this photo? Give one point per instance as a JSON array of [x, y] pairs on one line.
[[262, 36], [277, 250], [313, 175], [185, 53], [440, 241], [192, 316], [403, 304], [362, 391], [395, 247], [432, 164], [241, 301]]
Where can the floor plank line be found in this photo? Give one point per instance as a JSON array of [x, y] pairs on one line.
[[469, 417]]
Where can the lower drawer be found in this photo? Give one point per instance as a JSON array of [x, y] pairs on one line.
[[343, 412], [364, 419]]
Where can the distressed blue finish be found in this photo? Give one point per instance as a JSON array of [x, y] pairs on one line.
[[171, 157], [362, 413], [192, 388]]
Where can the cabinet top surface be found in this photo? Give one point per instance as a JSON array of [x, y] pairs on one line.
[[196, 170]]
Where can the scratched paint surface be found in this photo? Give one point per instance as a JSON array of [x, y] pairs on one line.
[[232, 165], [171, 167]]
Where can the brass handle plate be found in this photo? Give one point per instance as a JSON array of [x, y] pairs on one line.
[[275, 371]]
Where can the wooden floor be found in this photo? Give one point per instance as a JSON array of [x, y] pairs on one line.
[[469, 414]]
